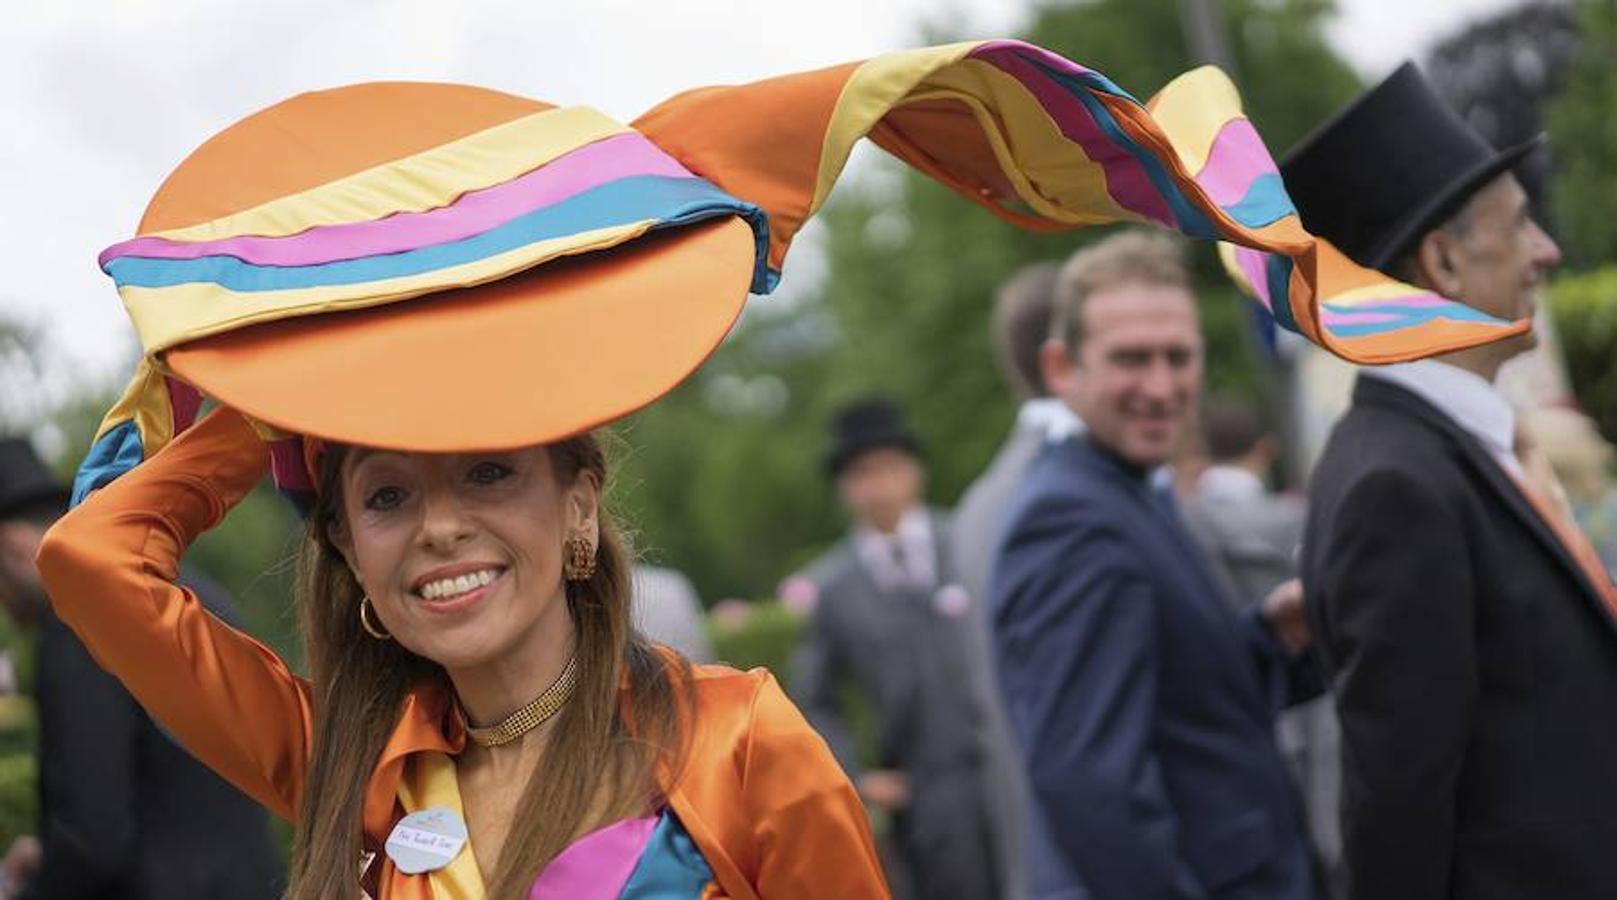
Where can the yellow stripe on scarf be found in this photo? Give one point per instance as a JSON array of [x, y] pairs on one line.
[[429, 780], [869, 94], [426, 180], [1192, 109], [1051, 173], [146, 403]]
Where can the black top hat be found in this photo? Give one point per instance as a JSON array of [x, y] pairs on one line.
[[24, 479], [1395, 164], [867, 425]]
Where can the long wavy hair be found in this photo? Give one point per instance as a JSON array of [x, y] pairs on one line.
[[613, 750]]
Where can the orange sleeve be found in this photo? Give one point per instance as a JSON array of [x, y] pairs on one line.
[[109, 567], [811, 833]]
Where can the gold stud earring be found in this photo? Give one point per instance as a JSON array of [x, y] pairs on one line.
[[580, 562], [374, 631]]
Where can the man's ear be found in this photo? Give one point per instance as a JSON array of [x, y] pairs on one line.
[[1435, 266], [1057, 366]]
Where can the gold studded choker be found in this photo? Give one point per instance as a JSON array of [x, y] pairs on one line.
[[532, 714]]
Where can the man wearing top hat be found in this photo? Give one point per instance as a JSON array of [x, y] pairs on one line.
[[124, 811], [1470, 640], [891, 619]]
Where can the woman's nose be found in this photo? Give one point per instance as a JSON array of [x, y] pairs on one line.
[[444, 521]]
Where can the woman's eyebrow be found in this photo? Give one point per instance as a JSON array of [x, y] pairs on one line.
[[360, 454]]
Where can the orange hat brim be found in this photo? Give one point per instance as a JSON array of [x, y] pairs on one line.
[[530, 359]]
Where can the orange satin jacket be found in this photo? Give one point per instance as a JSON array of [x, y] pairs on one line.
[[760, 794]]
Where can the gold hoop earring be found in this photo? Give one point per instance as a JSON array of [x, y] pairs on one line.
[[580, 563], [374, 631]]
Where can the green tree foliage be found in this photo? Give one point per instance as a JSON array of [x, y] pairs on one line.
[[1583, 132], [735, 494], [723, 478], [1585, 310]]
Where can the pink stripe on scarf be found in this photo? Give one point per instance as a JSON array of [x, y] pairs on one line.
[[597, 865], [474, 212], [1236, 159], [1257, 275]]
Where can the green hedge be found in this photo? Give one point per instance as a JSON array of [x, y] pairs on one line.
[[766, 638], [19, 813], [19, 738], [1585, 310]]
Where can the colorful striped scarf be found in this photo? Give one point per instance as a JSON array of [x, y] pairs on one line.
[[1038, 140]]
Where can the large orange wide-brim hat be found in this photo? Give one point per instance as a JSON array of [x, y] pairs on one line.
[[450, 333], [434, 267]]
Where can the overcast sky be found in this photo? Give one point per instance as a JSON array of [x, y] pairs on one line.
[[99, 100]]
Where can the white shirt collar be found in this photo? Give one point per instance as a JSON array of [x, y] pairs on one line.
[[1221, 482], [914, 535], [1049, 416], [1471, 401]]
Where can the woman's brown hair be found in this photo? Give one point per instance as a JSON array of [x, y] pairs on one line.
[[599, 767]]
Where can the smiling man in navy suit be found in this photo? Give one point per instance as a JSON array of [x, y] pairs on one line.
[[1143, 706]]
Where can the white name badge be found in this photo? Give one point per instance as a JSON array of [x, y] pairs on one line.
[[426, 841]]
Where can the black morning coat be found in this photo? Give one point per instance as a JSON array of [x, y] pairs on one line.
[[125, 812], [1474, 664]]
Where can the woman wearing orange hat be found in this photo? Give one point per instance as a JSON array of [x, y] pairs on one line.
[[416, 302]]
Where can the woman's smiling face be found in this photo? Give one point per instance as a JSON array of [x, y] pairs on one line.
[[461, 553]]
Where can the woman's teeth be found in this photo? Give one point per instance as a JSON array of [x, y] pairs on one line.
[[460, 584]]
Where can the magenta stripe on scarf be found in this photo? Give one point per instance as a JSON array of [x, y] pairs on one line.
[[473, 213], [597, 865], [184, 402], [1252, 266], [287, 466], [1236, 159], [1126, 179], [1332, 319]]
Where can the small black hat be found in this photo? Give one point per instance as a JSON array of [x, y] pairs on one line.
[[866, 425], [24, 478], [1395, 164]]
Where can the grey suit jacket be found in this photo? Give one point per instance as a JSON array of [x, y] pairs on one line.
[[979, 519], [906, 657], [908, 654], [667, 610], [979, 523], [1253, 538]]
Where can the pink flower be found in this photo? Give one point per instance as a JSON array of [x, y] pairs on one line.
[[731, 614], [799, 595]]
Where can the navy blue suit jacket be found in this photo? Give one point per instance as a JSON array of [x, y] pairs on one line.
[[1144, 708]]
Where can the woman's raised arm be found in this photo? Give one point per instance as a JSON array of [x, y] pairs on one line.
[[110, 567]]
